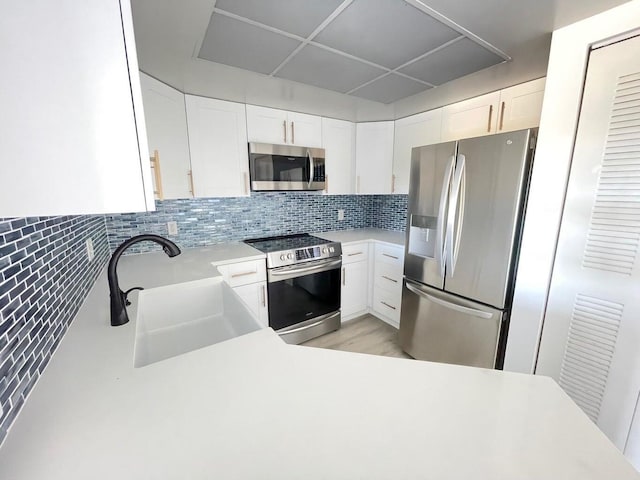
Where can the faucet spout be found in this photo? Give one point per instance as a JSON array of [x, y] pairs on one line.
[[118, 298]]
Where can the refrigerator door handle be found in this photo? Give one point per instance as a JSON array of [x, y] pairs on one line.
[[444, 303], [442, 213], [450, 242], [460, 190]]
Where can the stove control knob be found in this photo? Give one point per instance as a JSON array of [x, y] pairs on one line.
[[283, 257], [324, 250], [331, 249], [290, 256]]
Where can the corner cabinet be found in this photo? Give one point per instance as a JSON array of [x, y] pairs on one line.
[[374, 157], [339, 143], [414, 131], [218, 145], [72, 129], [248, 279], [166, 120], [513, 108], [270, 125]]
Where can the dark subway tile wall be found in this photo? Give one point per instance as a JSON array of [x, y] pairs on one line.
[[45, 276]]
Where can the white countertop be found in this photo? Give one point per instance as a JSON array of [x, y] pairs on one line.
[[364, 234], [257, 408]]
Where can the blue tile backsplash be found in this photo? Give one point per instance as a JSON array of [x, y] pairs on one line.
[[45, 276], [207, 221]]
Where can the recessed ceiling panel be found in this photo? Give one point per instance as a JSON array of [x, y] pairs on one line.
[[390, 88], [325, 69], [300, 17], [386, 32], [457, 60], [241, 45]]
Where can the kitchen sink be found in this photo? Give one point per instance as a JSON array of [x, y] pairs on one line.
[[176, 319]]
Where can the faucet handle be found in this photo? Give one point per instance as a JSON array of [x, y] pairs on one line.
[[126, 294]]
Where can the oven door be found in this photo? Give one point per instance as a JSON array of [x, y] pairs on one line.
[[301, 294]]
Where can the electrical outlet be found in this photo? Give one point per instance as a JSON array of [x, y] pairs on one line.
[[90, 252], [340, 214], [172, 228]]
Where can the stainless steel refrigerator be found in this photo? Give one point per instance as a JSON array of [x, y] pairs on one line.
[[465, 212]]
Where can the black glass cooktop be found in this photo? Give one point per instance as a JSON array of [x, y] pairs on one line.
[[286, 242]]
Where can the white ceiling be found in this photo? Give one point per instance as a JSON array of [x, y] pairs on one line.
[[372, 49], [381, 50]]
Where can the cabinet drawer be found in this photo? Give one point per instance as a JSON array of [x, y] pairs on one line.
[[390, 255], [388, 277], [387, 303], [355, 252], [244, 273]]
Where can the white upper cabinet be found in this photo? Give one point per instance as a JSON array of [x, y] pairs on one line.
[[470, 118], [166, 120], [218, 144], [521, 106], [513, 108], [72, 130], [374, 157], [339, 142], [414, 131], [270, 125]]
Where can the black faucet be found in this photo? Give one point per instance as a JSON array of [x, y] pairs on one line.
[[118, 297]]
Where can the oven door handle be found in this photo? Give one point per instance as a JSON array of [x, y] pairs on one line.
[[320, 320], [295, 272]]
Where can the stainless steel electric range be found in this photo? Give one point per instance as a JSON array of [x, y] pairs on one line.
[[303, 285]]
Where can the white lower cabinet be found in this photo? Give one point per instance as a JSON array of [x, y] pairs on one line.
[[374, 267], [249, 280], [355, 280], [254, 296], [387, 283]]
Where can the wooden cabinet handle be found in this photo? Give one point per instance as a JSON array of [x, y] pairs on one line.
[[490, 115], [246, 183], [243, 274], [326, 183], [155, 164], [393, 183], [190, 175], [502, 116], [284, 126]]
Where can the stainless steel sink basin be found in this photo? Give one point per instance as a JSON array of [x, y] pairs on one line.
[[177, 319]]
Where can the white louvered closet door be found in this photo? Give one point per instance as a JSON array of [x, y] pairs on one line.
[[591, 333]]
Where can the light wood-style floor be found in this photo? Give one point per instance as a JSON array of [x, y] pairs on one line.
[[366, 334]]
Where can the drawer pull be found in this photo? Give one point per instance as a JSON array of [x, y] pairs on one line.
[[387, 305], [390, 256], [390, 279], [243, 274], [353, 254]]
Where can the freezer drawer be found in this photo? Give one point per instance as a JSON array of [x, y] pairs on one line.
[[441, 327]]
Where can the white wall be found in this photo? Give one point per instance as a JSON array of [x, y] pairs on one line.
[[560, 110]]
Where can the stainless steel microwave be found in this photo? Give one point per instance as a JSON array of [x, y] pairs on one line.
[[285, 167]]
